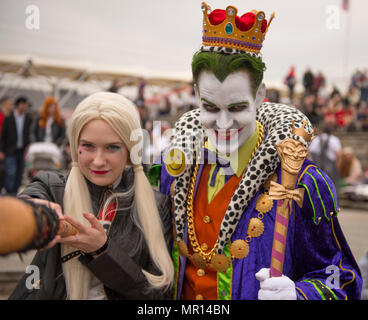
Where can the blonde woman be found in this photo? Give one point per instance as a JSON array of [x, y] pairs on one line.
[[121, 250]]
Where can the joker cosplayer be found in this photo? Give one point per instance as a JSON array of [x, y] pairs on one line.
[[219, 169]]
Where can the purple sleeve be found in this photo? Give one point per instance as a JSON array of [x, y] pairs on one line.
[[324, 266], [165, 178]]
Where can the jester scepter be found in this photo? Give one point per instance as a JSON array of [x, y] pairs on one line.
[[292, 154]]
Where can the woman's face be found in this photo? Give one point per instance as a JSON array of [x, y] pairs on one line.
[[51, 110], [102, 155]]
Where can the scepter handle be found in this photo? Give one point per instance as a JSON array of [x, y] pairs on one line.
[[292, 154], [279, 237]]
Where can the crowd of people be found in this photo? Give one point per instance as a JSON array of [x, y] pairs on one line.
[[19, 129], [334, 111], [345, 111]]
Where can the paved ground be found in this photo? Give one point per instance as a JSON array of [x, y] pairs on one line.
[[353, 222]]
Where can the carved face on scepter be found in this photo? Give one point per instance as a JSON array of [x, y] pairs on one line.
[[292, 154]]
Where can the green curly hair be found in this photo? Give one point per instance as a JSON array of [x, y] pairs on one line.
[[222, 65]]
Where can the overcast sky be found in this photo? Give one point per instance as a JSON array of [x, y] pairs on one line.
[[162, 35]]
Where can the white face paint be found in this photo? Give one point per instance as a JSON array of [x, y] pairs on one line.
[[228, 109]]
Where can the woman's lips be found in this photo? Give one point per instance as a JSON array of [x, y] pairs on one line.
[[229, 133], [100, 172]]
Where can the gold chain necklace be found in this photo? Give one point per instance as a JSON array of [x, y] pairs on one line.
[[207, 256]]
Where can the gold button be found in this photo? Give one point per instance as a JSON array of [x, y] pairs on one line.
[[200, 272], [207, 219], [199, 297], [204, 246]]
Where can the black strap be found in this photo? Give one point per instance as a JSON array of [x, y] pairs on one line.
[[71, 255], [102, 249], [77, 253]]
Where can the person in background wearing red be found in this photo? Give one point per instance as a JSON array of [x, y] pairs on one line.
[[350, 116], [49, 126], [340, 115], [319, 82], [6, 104], [290, 81]]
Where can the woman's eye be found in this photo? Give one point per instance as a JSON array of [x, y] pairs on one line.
[[87, 145], [113, 148]]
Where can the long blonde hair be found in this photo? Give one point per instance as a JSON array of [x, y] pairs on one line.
[[122, 115]]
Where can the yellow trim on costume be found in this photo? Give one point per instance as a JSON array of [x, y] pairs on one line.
[[337, 241], [334, 234], [302, 293], [305, 170], [300, 178]]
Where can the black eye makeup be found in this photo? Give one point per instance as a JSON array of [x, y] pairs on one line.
[[238, 107], [209, 106]]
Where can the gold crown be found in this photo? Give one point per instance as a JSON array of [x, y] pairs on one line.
[[301, 132], [228, 35]]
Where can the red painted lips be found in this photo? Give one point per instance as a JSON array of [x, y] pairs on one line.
[[100, 172], [229, 134]]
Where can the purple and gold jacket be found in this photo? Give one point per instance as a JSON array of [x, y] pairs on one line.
[[317, 256]]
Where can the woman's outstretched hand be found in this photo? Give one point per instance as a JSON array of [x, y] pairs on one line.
[[88, 239]]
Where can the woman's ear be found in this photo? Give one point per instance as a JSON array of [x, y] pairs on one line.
[[261, 94]]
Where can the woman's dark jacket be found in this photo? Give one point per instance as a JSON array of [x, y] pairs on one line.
[[57, 132], [119, 267]]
